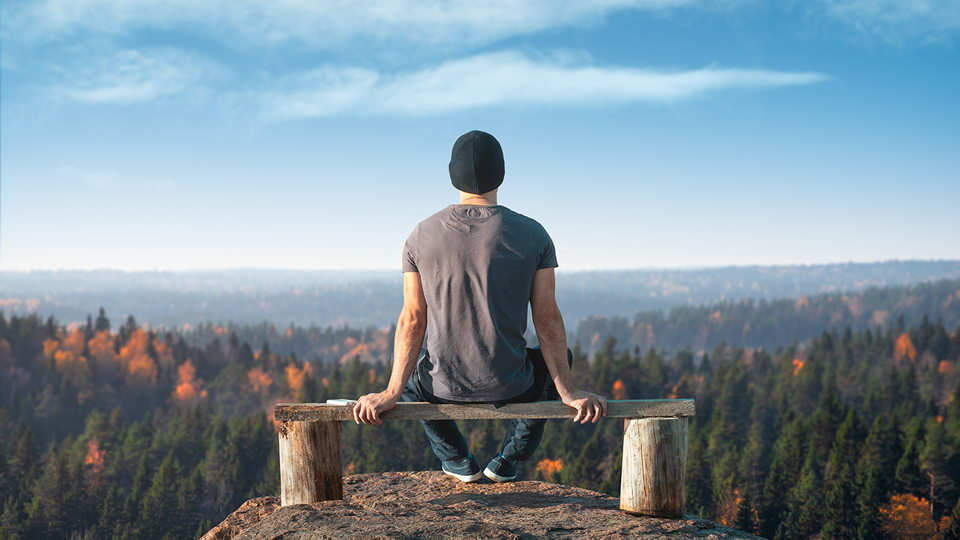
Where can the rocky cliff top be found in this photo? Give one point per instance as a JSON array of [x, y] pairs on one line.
[[431, 505]]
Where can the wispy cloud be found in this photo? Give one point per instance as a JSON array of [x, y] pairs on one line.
[[330, 23], [334, 24], [896, 20], [501, 79], [133, 76]]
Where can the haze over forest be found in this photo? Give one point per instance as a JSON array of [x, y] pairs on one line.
[[373, 298]]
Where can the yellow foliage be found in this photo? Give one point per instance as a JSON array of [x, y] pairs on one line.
[[549, 467], [906, 517]]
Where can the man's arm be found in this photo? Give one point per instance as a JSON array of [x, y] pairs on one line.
[[406, 348], [553, 343]]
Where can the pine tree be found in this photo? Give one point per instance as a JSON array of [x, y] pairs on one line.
[[159, 509], [585, 472], [952, 531], [699, 479], [788, 455], [188, 504], [11, 519], [102, 323], [745, 520], [841, 510], [908, 477], [846, 446], [112, 512], [871, 496], [933, 463]]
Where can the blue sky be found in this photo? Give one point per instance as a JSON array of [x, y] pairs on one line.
[[176, 135]]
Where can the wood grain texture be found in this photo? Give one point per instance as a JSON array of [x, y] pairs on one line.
[[626, 408], [310, 462], [654, 466]]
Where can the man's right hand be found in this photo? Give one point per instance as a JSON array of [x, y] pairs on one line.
[[369, 407], [590, 407]]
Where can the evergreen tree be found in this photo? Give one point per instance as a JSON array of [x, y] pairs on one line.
[[699, 479], [933, 463], [188, 505], [788, 456], [112, 511], [871, 496], [846, 446], [102, 323], [159, 512], [952, 531], [745, 520], [841, 511], [908, 476], [11, 519]]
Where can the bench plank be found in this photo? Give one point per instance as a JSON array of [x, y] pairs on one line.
[[626, 408]]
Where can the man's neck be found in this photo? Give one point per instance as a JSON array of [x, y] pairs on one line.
[[483, 199]]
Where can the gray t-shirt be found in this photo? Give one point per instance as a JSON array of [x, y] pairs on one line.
[[476, 264]]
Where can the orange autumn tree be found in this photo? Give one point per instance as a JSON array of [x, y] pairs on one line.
[[189, 387], [619, 390], [546, 468], [906, 517], [95, 458], [296, 377], [904, 348], [259, 379], [135, 358]]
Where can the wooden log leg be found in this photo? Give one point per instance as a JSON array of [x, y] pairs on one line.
[[310, 462], [654, 466]]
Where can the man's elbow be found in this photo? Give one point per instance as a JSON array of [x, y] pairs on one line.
[[547, 318], [412, 322]]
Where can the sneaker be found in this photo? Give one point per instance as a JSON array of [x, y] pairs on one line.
[[464, 470], [501, 469]]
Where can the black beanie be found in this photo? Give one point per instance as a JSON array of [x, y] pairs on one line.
[[476, 163]]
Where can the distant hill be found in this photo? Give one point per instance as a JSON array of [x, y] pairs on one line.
[[373, 298], [763, 323]]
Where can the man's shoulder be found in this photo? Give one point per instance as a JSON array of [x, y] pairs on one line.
[[522, 219]]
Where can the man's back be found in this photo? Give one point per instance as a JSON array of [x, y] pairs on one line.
[[477, 265], [468, 273]]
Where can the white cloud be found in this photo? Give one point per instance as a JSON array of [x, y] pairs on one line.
[[340, 24], [896, 20], [501, 79], [328, 23], [131, 76]]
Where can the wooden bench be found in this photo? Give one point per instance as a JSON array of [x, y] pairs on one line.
[[654, 446]]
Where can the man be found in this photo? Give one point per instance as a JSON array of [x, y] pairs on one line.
[[469, 272]]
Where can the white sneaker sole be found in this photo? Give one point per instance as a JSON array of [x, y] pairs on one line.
[[497, 478], [467, 478]]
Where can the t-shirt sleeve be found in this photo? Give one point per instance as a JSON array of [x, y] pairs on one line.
[[409, 263], [548, 257]]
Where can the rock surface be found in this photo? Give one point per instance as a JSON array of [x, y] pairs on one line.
[[431, 505]]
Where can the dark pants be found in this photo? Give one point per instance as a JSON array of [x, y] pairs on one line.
[[522, 437]]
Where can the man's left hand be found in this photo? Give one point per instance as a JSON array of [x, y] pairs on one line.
[[369, 407]]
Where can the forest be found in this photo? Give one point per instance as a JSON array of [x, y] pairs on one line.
[[145, 434]]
